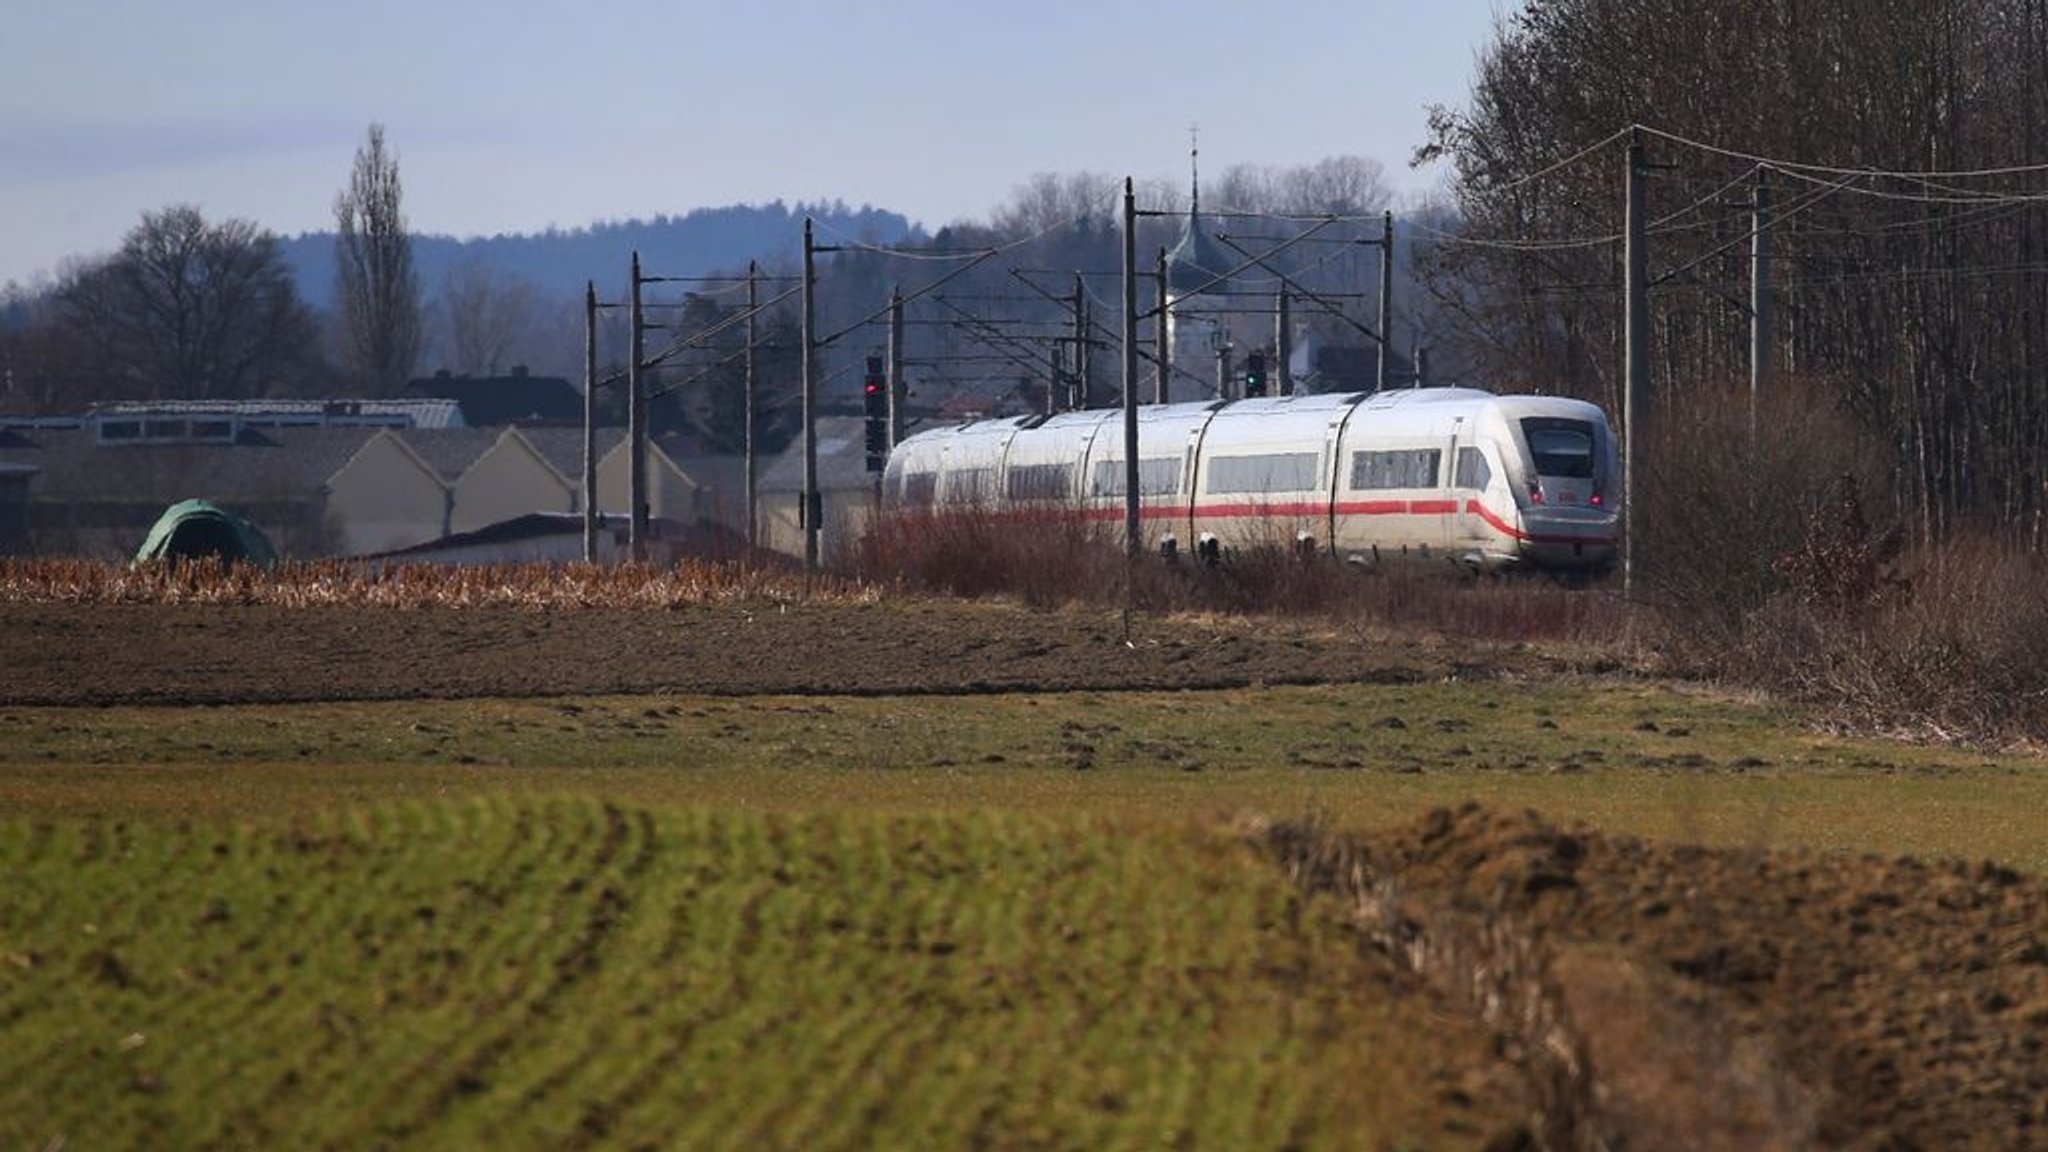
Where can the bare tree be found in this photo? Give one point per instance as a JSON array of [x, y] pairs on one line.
[[1049, 200], [1245, 188], [1341, 185], [376, 288], [488, 313], [191, 310]]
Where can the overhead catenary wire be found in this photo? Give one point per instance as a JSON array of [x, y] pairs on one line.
[[1790, 166]]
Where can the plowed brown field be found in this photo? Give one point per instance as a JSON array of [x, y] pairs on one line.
[[118, 653]]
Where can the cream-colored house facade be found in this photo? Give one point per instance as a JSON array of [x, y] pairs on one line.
[[846, 490], [386, 497], [846, 519], [405, 487], [671, 492], [510, 479]]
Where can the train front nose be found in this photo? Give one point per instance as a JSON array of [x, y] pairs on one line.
[[1567, 537]]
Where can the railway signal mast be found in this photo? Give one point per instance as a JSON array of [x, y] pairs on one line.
[[875, 401]]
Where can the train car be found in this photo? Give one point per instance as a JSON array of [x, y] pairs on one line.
[[1486, 481]]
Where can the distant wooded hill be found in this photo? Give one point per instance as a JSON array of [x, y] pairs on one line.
[[558, 262]]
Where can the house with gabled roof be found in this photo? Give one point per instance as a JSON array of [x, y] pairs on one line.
[[848, 492], [387, 495], [673, 493], [346, 490], [88, 496], [510, 478]]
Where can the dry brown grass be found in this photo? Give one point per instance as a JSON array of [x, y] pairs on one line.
[[1067, 557], [1054, 557], [410, 586], [1948, 643]]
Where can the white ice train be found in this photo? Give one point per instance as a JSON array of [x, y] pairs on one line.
[[1484, 480]]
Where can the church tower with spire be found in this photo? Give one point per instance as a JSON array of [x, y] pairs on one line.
[[1196, 270]]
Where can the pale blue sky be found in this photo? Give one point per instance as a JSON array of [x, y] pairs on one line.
[[517, 115]]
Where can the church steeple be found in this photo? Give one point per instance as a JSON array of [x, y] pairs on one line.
[[1195, 260]]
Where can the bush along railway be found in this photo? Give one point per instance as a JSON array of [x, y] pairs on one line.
[[1490, 482]]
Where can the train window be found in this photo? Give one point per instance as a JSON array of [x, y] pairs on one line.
[[1562, 447], [1040, 481], [1159, 476], [1473, 470], [1399, 468], [1272, 472], [970, 485], [919, 488]]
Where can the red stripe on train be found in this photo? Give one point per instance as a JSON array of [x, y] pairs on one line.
[[1307, 510], [1499, 525]]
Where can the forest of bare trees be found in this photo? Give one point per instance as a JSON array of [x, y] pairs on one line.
[[1902, 142]]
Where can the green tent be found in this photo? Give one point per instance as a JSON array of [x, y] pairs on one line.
[[193, 528]]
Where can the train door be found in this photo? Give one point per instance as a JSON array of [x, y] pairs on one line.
[[1333, 444], [1468, 476]]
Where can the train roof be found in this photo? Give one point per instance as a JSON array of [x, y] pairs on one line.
[[1416, 411]]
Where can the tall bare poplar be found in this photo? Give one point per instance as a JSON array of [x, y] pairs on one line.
[[376, 288]]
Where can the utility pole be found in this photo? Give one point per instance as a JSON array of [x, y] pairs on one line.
[[1223, 381], [636, 422], [1635, 413], [1133, 541], [1760, 319], [899, 388], [1163, 329], [1283, 344], [753, 409], [1054, 381], [1386, 296], [1079, 397], [809, 514], [589, 422]]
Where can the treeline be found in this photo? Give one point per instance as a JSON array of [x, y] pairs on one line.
[[195, 308], [556, 262], [1903, 144]]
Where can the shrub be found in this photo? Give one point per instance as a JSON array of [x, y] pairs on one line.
[[1069, 557], [1720, 504], [1964, 656], [1047, 558]]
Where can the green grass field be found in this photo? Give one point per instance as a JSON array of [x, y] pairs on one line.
[[983, 921], [551, 974], [1634, 758]]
